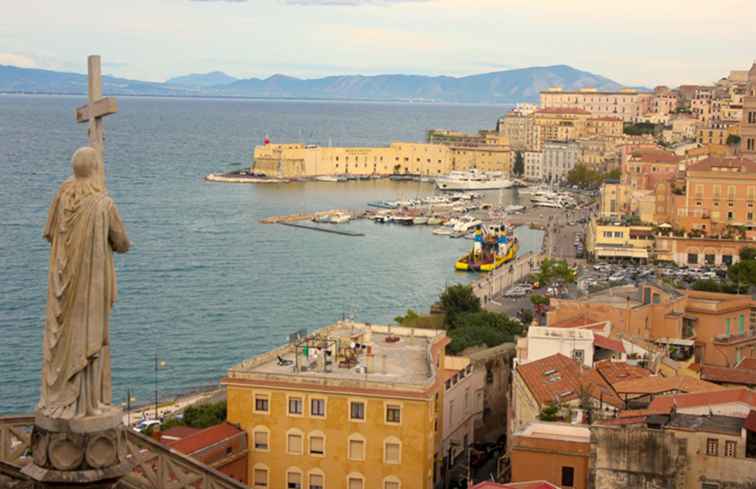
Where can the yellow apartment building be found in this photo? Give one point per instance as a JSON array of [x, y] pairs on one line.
[[717, 134], [607, 239], [298, 160], [556, 124], [349, 406]]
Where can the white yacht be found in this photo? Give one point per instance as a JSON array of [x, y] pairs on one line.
[[472, 180]]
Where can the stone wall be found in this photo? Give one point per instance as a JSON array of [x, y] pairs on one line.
[[493, 284], [636, 457]]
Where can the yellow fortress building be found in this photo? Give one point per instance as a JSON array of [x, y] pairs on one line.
[[299, 160], [349, 406]]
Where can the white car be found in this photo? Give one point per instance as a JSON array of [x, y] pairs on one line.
[[145, 424], [617, 277]]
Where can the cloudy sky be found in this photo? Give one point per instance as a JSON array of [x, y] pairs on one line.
[[638, 42]]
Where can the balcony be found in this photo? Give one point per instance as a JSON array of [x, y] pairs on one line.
[[155, 466], [748, 337]]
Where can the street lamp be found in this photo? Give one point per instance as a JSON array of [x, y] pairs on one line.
[[158, 364], [127, 405]]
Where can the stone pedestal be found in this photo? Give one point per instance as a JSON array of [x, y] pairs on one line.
[[86, 453]]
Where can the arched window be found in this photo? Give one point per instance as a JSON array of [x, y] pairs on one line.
[[294, 442], [392, 482], [356, 447], [294, 478], [261, 439], [317, 443], [260, 476], [392, 450], [355, 481], [316, 479]]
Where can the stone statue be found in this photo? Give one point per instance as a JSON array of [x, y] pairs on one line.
[[84, 228]]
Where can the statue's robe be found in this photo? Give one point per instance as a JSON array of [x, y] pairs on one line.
[[84, 228]]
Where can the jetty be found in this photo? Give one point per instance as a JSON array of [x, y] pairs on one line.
[[317, 228]]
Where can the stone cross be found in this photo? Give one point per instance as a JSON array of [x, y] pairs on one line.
[[96, 108]]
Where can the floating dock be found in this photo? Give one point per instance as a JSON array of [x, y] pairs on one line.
[[317, 228]]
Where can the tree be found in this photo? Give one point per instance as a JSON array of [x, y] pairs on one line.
[[748, 253], [482, 328], [556, 271], [613, 175], [707, 285], [733, 140], [743, 273], [518, 169], [539, 300], [584, 177], [457, 299], [201, 416], [550, 412], [410, 315]]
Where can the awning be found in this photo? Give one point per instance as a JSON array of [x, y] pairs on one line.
[[675, 341]]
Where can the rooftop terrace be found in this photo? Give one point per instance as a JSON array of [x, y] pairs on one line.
[[352, 353]]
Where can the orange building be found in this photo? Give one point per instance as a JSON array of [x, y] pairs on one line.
[[719, 192], [222, 447], [748, 124], [556, 452], [644, 167], [715, 327]]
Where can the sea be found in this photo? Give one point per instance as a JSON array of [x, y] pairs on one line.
[[205, 284]]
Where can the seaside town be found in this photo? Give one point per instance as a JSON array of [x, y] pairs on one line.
[[620, 354]]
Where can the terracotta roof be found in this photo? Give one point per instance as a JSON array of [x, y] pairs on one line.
[[750, 421], [655, 155], [561, 110], [749, 363], [740, 394], [558, 379], [622, 420], [726, 375], [608, 343], [744, 165], [659, 385], [638, 413], [614, 372], [171, 435], [205, 438]]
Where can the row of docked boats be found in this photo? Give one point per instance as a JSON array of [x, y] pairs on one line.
[[544, 197], [467, 180]]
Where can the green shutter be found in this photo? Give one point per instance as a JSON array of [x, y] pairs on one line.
[[741, 324], [727, 327]]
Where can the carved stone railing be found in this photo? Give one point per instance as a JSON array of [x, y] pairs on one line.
[[155, 466]]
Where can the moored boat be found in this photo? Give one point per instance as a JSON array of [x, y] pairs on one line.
[[492, 248]]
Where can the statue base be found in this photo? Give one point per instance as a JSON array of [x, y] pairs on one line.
[[88, 452]]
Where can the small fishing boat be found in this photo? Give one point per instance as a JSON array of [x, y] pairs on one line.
[[405, 220], [442, 231], [420, 220], [434, 221], [514, 208]]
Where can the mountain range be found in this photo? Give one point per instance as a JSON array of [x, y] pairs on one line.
[[510, 86]]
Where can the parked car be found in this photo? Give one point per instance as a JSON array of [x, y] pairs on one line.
[[145, 424]]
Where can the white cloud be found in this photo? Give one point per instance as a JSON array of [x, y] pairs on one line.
[[15, 59]]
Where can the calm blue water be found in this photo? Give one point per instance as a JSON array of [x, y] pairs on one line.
[[205, 285]]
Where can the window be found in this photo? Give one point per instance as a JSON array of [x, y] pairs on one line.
[[578, 355], [356, 410], [317, 444], [709, 259], [296, 406], [692, 258], [317, 481], [356, 445], [260, 437], [260, 477], [355, 481], [294, 442], [317, 407], [391, 483], [393, 413], [294, 479], [727, 327], [741, 325], [730, 448], [262, 403], [392, 451], [568, 476], [712, 447]]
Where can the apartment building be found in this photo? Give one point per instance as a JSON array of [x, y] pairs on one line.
[[350, 405]]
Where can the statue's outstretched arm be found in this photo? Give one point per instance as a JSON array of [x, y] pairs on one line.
[[117, 236]]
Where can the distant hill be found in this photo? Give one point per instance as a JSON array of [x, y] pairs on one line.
[[520, 85], [504, 86], [214, 78], [27, 80]]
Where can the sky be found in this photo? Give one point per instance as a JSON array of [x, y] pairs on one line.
[[638, 42]]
